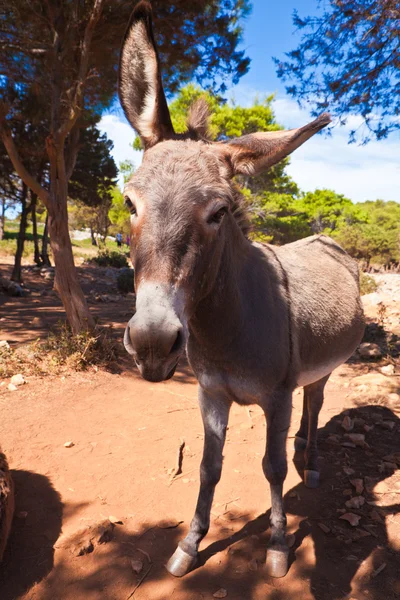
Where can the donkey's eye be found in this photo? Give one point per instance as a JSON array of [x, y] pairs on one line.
[[218, 216], [130, 205]]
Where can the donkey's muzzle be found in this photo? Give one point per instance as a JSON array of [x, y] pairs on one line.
[[156, 348]]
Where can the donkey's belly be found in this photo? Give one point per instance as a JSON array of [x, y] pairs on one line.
[[312, 374]]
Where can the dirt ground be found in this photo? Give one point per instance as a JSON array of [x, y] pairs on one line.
[[126, 434]]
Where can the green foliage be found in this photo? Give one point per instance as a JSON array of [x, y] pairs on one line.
[[107, 258], [367, 284], [118, 213], [125, 281]]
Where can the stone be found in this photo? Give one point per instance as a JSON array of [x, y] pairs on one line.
[[69, 444], [18, 379], [348, 470], [137, 566], [4, 345], [115, 520], [324, 527], [387, 370], [351, 518], [356, 438], [369, 350], [347, 423], [388, 425], [12, 387], [221, 593], [356, 502], [358, 484]]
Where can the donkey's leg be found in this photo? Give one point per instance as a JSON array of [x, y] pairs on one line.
[[300, 439], [275, 469], [215, 412], [314, 394]]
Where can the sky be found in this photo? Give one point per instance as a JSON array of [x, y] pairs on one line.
[[359, 172]]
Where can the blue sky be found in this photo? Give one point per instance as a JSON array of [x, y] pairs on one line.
[[360, 172]]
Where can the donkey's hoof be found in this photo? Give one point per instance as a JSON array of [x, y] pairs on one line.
[[299, 444], [277, 562], [311, 478], [180, 563]]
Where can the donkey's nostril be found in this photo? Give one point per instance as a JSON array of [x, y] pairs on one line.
[[177, 345]]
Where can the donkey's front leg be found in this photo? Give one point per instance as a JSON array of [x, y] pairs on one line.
[[278, 413], [215, 412]]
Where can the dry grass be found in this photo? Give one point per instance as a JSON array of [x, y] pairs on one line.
[[61, 351]]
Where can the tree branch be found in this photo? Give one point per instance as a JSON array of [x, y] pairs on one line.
[[20, 168], [82, 72]]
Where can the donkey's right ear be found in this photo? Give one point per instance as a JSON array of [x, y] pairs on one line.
[[140, 87]]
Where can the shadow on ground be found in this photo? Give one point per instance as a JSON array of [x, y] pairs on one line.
[[327, 565]]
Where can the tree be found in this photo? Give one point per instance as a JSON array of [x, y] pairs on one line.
[[64, 54], [348, 62]]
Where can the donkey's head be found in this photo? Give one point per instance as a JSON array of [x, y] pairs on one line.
[[184, 207]]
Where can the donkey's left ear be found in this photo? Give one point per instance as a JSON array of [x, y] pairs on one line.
[[140, 87], [253, 153]]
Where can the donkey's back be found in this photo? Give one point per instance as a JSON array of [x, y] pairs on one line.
[[326, 316]]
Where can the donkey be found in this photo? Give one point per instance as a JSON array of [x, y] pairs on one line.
[[256, 321], [6, 503]]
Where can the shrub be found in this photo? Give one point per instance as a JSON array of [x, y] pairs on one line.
[[367, 284], [125, 281], [105, 258]]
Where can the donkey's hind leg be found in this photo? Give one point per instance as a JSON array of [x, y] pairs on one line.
[[313, 397], [300, 439], [277, 412], [215, 412]]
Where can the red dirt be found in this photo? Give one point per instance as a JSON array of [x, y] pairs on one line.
[[126, 433]]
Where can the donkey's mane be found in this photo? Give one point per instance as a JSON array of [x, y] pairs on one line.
[[197, 123]]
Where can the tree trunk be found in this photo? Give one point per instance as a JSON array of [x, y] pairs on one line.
[[94, 242], [36, 257], [45, 242], [16, 273], [2, 217], [66, 280]]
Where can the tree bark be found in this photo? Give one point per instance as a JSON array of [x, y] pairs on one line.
[[16, 273], [45, 242], [2, 217], [36, 256]]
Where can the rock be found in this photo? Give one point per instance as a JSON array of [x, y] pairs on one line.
[[221, 593], [351, 518], [253, 565], [368, 428], [369, 350], [4, 345], [356, 438], [69, 444], [387, 425], [137, 566], [347, 424], [18, 379], [48, 276], [105, 532], [348, 470], [348, 444], [390, 466], [333, 439], [86, 547], [359, 423], [324, 527], [358, 484], [375, 516], [12, 387], [387, 370], [115, 520], [356, 502]]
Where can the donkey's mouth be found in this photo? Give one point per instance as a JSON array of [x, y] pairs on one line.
[[171, 373]]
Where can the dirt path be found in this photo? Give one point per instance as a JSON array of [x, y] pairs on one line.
[[126, 435]]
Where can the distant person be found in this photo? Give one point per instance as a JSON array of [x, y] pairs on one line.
[[118, 237], [128, 240]]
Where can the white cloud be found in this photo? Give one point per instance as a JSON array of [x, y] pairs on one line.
[[359, 172], [121, 133]]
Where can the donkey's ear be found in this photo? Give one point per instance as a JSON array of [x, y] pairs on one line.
[[140, 87], [253, 153]]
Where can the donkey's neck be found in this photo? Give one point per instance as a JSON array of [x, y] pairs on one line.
[[218, 317]]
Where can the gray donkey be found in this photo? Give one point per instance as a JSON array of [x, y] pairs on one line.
[[256, 321]]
